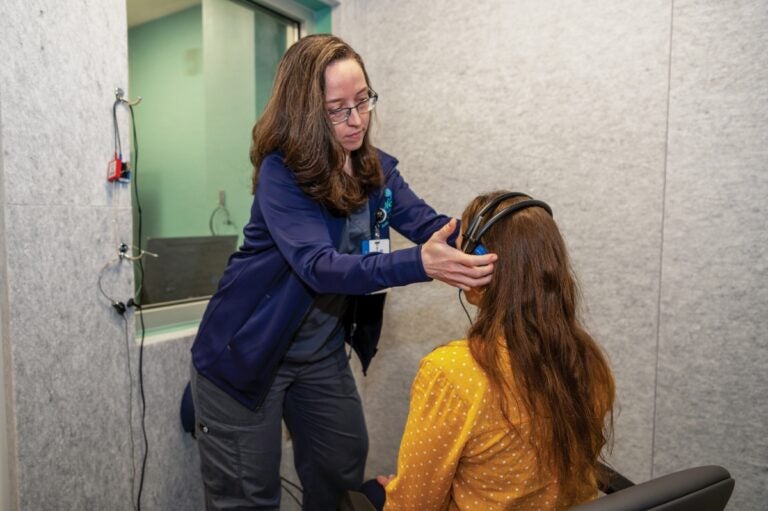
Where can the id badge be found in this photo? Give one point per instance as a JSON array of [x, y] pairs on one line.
[[380, 246]]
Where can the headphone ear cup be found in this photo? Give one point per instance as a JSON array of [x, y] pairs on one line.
[[480, 250]]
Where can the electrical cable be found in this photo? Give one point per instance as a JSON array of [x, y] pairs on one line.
[[289, 492], [137, 304], [465, 308], [117, 169], [227, 221], [130, 406], [121, 308], [292, 484], [118, 144], [122, 174], [101, 277]]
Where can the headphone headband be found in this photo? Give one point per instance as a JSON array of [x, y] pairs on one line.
[[475, 231]]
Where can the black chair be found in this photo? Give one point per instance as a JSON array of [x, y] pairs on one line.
[[706, 488]]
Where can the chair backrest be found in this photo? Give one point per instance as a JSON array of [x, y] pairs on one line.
[[706, 488]]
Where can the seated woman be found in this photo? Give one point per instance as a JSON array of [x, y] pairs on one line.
[[516, 416]]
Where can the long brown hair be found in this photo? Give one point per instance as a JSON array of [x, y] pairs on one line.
[[559, 372], [295, 122]]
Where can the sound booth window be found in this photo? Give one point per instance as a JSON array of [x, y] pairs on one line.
[[204, 70]]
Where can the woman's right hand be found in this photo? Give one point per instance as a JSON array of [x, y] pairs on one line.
[[447, 264]]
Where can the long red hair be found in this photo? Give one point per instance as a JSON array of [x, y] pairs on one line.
[[560, 376]]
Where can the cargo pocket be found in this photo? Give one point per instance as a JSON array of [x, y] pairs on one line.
[[220, 460]]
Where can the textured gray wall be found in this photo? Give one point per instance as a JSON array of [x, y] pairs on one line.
[[644, 125], [6, 489], [66, 383], [713, 336]]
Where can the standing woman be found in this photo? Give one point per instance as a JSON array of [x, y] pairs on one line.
[[270, 346], [516, 416]]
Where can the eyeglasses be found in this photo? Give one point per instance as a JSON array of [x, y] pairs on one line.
[[342, 114]]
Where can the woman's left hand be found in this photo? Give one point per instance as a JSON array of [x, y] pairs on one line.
[[385, 480]]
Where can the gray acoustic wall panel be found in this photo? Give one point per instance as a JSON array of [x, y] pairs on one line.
[[643, 125], [713, 343], [565, 102], [70, 362], [69, 352], [65, 353], [172, 479]]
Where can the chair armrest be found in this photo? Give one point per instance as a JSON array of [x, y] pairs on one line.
[[609, 481]]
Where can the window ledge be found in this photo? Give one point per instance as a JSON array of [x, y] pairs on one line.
[[170, 322]]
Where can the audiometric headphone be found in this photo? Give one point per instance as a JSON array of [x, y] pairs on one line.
[[474, 233]]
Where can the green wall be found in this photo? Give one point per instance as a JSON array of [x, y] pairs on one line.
[[166, 69], [200, 98], [230, 105]]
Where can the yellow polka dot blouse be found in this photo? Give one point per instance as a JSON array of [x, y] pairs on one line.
[[459, 453]]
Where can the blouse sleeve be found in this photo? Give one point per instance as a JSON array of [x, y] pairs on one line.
[[435, 434]]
